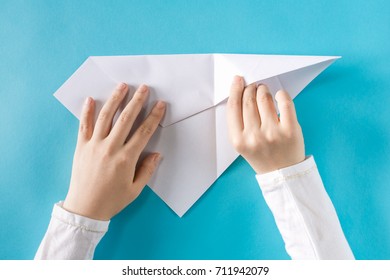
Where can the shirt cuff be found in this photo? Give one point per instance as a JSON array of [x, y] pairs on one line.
[[85, 223], [274, 178]]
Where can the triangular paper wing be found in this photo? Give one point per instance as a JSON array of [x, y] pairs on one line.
[[88, 80], [184, 82], [293, 72]]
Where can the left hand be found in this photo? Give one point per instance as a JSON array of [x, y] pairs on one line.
[[106, 175]]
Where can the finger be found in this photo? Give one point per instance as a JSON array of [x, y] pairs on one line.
[[234, 107], [249, 108], [86, 120], [266, 105], [106, 115], [142, 135], [286, 107], [144, 172], [125, 122]]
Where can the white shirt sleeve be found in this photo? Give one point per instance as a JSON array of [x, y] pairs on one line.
[[304, 213], [70, 236]]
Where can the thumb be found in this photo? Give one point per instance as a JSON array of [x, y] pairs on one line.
[[145, 170]]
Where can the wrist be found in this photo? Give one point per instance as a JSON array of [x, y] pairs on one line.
[[81, 210]]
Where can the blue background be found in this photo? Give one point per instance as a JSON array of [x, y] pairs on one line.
[[344, 115]]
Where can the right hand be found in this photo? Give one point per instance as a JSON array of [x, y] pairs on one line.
[[265, 141]]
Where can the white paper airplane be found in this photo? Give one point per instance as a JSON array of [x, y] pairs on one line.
[[192, 137]]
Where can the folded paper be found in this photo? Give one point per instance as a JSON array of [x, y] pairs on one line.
[[192, 137]]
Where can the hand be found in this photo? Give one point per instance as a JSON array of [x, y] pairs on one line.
[[105, 174], [265, 141]]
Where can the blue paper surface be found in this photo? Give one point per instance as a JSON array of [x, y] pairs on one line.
[[343, 113]]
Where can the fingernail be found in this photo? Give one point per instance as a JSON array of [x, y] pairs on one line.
[[88, 101], [143, 88], [121, 86], [157, 158], [160, 104], [263, 87], [237, 79]]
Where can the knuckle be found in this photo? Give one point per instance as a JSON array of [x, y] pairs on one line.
[[286, 105], [271, 138], [137, 99], [293, 133], [107, 151], [289, 134], [103, 115], [84, 128], [106, 157], [234, 102], [123, 160], [264, 97], [149, 170], [116, 96], [125, 117], [251, 87], [145, 130], [249, 143], [239, 144], [252, 143], [250, 101]]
